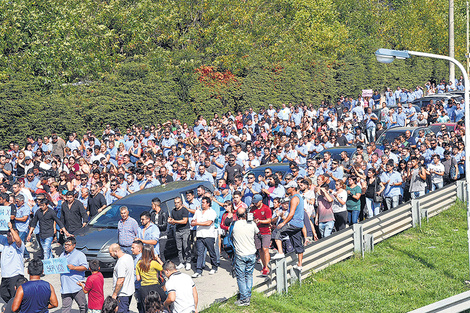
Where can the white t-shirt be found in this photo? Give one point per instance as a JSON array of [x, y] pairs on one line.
[[182, 285], [204, 216], [244, 237], [435, 179], [125, 268]]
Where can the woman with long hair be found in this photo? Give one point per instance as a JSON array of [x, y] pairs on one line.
[[148, 272]]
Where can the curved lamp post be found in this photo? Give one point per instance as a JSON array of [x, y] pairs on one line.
[[388, 55]]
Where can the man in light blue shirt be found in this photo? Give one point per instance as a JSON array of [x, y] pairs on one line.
[[401, 117], [12, 262], [202, 174], [31, 181], [411, 114], [149, 233], [391, 182], [70, 290], [22, 219], [114, 193]]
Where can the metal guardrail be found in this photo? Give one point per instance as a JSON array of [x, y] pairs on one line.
[[458, 303], [360, 238]]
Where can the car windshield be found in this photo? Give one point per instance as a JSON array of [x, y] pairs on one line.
[[389, 136], [110, 216]]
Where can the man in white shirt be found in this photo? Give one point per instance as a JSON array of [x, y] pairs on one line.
[[436, 170], [205, 236], [182, 292], [123, 277], [245, 255]]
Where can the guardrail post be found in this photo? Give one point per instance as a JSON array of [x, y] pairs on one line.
[[358, 239], [415, 215], [368, 242], [424, 214], [461, 190], [281, 276]]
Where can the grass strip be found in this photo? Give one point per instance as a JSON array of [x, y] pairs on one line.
[[411, 270]]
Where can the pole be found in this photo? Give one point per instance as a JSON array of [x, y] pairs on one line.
[[467, 132], [468, 48], [451, 41]]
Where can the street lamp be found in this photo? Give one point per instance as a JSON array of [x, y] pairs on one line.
[[388, 55]]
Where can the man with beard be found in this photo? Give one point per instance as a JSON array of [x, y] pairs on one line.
[[96, 201], [149, 232]]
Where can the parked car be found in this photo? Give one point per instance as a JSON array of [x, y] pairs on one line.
[[95, 238], [390, 134], [336, 152], [275, 167], [444, 97], [437, 127]]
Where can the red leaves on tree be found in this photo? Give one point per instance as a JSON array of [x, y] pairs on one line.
[[212, 78]]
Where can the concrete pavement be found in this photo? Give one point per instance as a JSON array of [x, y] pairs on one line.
[[211, 288]]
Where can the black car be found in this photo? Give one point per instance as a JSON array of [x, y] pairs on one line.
[[283, 168], [390, 134], [95, 238], [336, 152]]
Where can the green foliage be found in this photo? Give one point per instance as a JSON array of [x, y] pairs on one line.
[[137, 60]]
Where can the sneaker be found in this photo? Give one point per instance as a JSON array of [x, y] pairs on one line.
[[196, 275], [212, 272], [188, 266], [278, 256], [296, 267], [265, 272], [180, 266], [241, 303]]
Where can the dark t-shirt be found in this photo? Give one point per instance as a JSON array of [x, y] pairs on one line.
[[232, 171], [178, 215], [95, 202]]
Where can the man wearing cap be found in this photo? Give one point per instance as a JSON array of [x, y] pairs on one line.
[[73, 214], [262, 216], [294, 222]]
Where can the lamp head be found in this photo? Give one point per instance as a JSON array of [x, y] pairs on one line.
[[387, 55]]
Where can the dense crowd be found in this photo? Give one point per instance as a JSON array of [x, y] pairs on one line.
[[55, 186]]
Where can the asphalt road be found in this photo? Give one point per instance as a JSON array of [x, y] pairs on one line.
[[211, 288]]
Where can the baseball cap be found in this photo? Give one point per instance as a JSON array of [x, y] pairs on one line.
[[257, 198], [285, 199], [291, 184]]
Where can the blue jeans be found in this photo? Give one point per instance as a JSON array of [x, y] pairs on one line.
[[46, 246], [244, 266], [371, 133], [353, 216], [23, 235], [326, 228], [373, 208], [437, 185]]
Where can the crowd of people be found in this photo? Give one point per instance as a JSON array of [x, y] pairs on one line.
[[55, 186]]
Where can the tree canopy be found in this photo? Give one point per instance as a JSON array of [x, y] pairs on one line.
[[74, 65]]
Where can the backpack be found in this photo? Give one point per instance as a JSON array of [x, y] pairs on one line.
[[227, 243]]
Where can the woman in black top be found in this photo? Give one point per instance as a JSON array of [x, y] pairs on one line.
[[372, 201]]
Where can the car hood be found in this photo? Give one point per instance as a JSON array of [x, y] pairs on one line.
[[95, 238]]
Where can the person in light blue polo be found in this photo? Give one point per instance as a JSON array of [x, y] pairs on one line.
[[70, 290], [114, 193], [202, 174], [22, 219], [149, 233], [12, 262], [391, 182], [401, 117]]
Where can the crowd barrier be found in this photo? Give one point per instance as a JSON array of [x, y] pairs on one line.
[[360, 238]]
